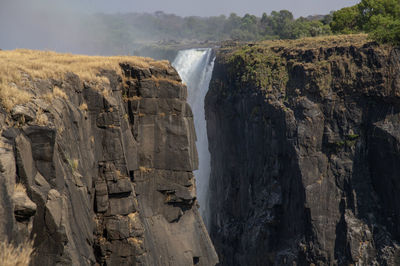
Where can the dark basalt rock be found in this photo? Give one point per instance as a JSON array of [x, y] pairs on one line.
[[108, 184], [306, 173], [24, 208]]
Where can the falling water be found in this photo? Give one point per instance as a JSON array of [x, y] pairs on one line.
[[195, 67]]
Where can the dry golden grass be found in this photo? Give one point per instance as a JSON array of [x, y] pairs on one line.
[[83, 107], [135, 241], [41, 118], [46, 65], [75, 164], [126, 117], [57, 92], [144, 169], [48, 97], [10, 95], [320, 41], [19, 188], [15, 256], [162, 79], [118, 173], [133, 98]]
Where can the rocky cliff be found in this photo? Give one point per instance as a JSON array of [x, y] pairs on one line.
[[305, 153], [96, 161]]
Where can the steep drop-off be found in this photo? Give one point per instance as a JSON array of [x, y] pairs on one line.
[[195, 67], [305, 153], [105, 157]]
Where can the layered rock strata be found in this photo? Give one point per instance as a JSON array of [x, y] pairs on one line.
[[304, 140], [106, 171]]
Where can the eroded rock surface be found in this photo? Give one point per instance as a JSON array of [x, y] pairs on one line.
[[107, 170], [304, 143]]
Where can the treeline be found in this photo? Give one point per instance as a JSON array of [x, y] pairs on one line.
[[120, 33], [120, 29], [379, 18]]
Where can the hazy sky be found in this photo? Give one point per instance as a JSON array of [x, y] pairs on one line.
[[213, 7], [57, 24]]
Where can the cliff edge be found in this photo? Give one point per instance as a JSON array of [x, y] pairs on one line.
[[305, 152], [96, 157]]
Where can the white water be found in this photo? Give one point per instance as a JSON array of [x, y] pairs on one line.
[[195, 67]]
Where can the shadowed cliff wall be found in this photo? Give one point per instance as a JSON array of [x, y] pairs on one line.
[[304, 140]]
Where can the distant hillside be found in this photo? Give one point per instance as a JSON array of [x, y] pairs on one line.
[[125, 33]]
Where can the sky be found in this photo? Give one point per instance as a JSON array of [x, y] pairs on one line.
[[214, 7], [57, 24]]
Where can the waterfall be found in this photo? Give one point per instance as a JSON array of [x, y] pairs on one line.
[[195, 67]]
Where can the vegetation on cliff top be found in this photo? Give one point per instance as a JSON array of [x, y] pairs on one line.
[[15, 65], [258, 67], [265, 65]]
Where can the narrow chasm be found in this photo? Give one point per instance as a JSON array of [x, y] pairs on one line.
[[195, 67]]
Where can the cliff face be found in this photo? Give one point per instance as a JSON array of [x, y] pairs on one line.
[[305, 152], [105, 167]]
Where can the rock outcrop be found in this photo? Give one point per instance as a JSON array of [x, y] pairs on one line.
[[106, 170], [305, 153]]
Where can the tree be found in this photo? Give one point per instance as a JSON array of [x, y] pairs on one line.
[[379, 18], [370, 10], [346, 20], [385, 29]]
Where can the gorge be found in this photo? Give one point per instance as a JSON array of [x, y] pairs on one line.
[[287, 152]]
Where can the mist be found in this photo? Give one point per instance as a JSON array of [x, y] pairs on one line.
[[71, 27], [99, 27], [43, 24]]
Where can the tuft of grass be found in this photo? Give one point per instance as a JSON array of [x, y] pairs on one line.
[[135, 98], [83, 107], [126, 117], [10, 95], [144, 169], [48, 97], [41, 118], [57, 92], [73, 163], [19, 187], [20, 255], [353, 136], [135, 241]]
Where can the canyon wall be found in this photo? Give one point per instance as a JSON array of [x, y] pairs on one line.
[[305, 153], [101, 173]]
